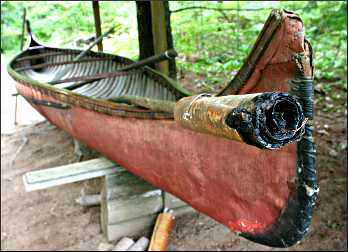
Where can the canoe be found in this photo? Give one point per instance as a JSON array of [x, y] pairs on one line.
[[266, 196]]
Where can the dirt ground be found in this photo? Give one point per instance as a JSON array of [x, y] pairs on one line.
[[51, 220]]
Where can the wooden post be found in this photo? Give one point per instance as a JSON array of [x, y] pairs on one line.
[[22, 38], [15, 114], [146, 48], [170, 42], [155, 33], [97, 23], [159, 33]]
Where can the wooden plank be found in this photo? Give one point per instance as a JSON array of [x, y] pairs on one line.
[[170, 201], [125, 185], [138, 226], [137, 206], [130, 205], [70, 173], [123, 193], [134, 227], [183, 210]]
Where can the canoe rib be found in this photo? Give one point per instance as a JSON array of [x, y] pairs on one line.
[[52, 66], [213, 175]]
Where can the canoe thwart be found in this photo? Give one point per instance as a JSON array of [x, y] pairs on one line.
[[95, 77], [169, 54], [152, 104], [120, 72]]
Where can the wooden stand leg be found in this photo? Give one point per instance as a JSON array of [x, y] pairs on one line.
[[130, 205]]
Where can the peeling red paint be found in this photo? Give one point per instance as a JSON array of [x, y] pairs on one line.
[[245, 225]]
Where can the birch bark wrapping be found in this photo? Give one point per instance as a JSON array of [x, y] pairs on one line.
[[265, 120]]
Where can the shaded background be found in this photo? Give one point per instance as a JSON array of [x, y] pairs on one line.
[[213, 37]]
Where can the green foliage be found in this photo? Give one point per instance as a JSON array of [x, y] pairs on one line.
[[214, 42], [60, 23], [51, 22], [220, 41]]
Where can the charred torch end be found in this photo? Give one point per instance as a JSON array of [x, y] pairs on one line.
[[276, 120]]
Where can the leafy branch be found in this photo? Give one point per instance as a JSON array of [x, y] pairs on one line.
[[216, 9]]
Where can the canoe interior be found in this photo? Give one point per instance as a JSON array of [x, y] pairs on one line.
[[141, 83]]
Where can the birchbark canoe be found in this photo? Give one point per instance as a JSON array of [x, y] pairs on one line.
[[267, 196]]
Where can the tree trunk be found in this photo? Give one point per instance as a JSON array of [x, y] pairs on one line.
[[154, 33], [145, 37]]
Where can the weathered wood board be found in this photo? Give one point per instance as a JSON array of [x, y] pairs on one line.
[[70, 173], [129, 205]]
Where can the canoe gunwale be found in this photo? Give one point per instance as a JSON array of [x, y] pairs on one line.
[[97, 105], [38, 66]]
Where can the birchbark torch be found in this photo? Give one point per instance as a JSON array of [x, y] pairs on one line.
[[265, 120]]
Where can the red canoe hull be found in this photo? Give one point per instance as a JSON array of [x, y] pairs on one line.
[[241, 186]]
